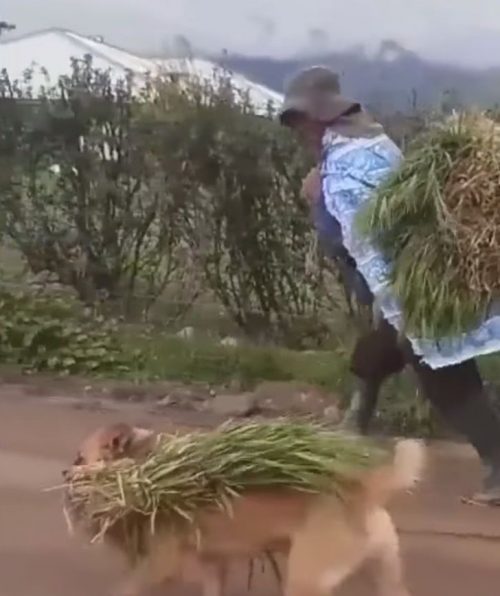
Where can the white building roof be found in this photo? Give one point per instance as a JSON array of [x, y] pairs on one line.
[[258, 94], [49, 54]]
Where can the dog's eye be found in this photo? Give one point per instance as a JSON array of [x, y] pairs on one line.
[[79, 461]]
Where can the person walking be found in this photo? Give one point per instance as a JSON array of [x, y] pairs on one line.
[[354, 155]]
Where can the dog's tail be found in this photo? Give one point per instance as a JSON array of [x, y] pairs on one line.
[[403, 474]]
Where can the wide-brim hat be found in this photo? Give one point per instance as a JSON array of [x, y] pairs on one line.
[[315, 92]]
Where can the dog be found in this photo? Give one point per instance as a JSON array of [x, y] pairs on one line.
[[324, 538]]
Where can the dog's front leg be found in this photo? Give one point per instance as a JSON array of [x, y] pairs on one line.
[[387, 566], [214, 574]]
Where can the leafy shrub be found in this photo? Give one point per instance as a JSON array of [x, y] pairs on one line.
[[42, 331], [130, 192], [83, 196], [237, 176]]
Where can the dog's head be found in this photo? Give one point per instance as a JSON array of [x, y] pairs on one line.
[[114, 442]]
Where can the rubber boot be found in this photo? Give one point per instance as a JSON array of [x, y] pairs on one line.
[[376, 356], [361, 411]]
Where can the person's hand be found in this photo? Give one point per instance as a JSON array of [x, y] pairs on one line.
[[311, 186]]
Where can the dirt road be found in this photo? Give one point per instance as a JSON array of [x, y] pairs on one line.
[[448, 547]]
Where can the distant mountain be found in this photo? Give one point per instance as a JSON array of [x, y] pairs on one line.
[[391, 79]]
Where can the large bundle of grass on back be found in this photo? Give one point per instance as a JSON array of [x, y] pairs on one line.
[[126, 501], [437, 220]]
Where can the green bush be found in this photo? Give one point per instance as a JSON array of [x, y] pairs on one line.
[[235, 176], [42, 331], [129, 190]]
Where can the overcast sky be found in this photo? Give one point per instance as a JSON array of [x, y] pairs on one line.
[[464, 31]]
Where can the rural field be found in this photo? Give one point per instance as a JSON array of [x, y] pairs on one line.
[[158, 266]]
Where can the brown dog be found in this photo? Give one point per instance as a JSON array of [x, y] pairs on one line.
[[325, 539]]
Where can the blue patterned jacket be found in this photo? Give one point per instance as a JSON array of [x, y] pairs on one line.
[[351, 170]]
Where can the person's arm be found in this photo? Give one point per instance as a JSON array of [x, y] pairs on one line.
[[327, 227], [311, 186], [330, 237]]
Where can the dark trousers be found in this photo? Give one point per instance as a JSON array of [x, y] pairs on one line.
[[455, 391]]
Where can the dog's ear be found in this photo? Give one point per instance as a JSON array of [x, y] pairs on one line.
[[142, 435], [142, 441], [126, 441]]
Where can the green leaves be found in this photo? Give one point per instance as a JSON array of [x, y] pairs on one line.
[[82, 194], [180, 184], [48, 332], [238, 177]]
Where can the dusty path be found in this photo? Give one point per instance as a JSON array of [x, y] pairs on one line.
[[448, 547]]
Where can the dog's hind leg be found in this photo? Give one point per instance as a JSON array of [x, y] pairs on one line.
[[320, 582], [324, 552]]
